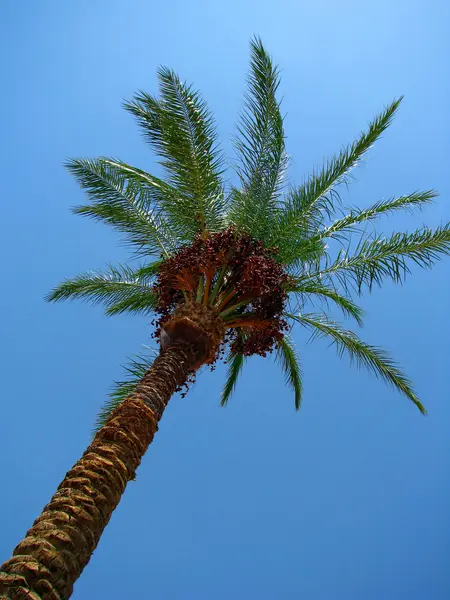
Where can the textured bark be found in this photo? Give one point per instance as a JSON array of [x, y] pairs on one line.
[[45, 565]]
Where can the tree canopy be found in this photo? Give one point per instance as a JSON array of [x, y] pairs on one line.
[[332, 253]]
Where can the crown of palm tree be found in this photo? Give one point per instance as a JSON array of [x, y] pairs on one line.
[[159, 217]]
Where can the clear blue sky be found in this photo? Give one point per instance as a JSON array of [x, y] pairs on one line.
[[347, 499]]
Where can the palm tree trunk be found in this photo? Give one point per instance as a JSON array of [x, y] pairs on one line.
[[45, 565]]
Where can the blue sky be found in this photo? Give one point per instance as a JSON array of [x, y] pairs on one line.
[[347, 499]]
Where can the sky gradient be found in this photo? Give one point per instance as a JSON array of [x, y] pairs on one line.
[[347, 499]]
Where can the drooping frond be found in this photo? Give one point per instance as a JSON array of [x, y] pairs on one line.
[[181, 129], [317, 289], [235, 362], [135, 371], [378, 258], [289, 361], [260, 148], [124, 204], [358, 216], [317, 198], [120, 289], [375, 359]]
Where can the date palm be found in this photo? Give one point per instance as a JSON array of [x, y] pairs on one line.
[[223, 269]]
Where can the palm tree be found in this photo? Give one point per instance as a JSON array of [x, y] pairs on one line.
[[223, 269]]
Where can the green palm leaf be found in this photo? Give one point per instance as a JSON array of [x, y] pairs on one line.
[[357, 216], [260, 148], [176, 210], [180, 128], [307, 206], [288, 359], [123, 204], [235, 363], [120, 289], [347, 306], [378, 258], [375, 359]]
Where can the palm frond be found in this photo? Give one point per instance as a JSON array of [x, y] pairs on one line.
[[307, 206], [315, 288], [235, 362], [181, 129], [146, 273], [135, 371], [123, 204], [120, 289], [378, 258], [288, 359], [375, 359], [176, 208], [260, 148], [357, 216]]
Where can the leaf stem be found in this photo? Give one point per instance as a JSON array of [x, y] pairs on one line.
[[207, 286], [201, 285], [226, 299], [231, 308], [218, 284]]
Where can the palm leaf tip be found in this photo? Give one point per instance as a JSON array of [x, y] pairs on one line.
[[260, 148], [349, 222], [378, 258], [120, 289], [122, 202], [287, 357], [235, 364], [181, 129], [374, 359], [309, 204]]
